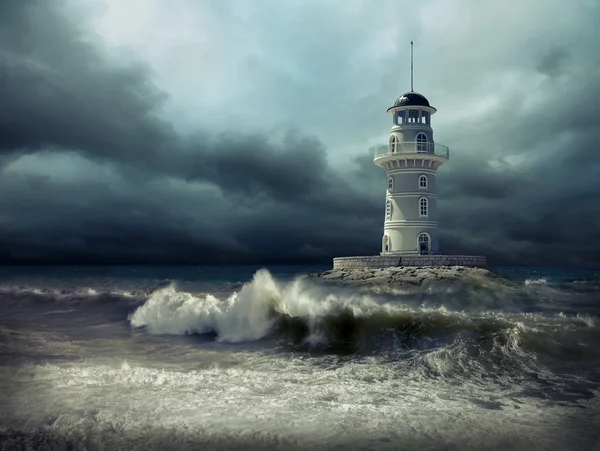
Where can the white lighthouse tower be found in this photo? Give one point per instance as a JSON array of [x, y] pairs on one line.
[[411, 160]]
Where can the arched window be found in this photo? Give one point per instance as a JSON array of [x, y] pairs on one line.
[[392, 144], [423, 206], [388, 210], [423, 182], [387, 243], [390, 183], [422, 145], [423, 244]]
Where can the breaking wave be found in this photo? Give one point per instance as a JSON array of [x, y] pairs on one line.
[[309, 314], [20, 295], [432, 339]]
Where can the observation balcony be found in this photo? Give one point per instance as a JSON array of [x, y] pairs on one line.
[[410, 150]]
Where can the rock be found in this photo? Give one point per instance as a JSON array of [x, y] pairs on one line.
[[408, 276]]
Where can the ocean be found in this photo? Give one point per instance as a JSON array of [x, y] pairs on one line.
[[177, 358]]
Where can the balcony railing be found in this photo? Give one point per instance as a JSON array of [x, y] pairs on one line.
[[412, 148]]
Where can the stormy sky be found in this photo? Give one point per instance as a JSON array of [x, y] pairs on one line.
[[239, 131]]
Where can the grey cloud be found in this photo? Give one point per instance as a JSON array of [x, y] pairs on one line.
[[157, 223], [252, 164], [60, 88], [254, 198], [553, 61], [88, 103]]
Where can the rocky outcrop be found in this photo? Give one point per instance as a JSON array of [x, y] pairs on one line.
[[411, 276]]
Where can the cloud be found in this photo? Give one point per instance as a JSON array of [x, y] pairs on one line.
[[255, 151]]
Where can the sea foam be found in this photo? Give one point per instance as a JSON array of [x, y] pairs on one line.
[[245, 315]]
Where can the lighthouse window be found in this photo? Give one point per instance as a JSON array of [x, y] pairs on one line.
[[392, 144], [388, 210], [423, 182], [423, 204], [413, 116], [422, 145], [423, 243], [390, 183]]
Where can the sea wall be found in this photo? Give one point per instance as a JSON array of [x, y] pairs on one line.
[[384, 261]]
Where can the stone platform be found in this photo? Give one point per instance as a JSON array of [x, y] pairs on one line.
[[385, 261]]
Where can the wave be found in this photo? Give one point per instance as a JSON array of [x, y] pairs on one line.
[[302, 316], [316, 315], [243, 316], [17, 294]]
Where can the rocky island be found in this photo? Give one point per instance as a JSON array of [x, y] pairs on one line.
[[408, 276]]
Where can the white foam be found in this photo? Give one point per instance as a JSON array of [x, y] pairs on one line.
[[245, 315], [66, 294], [241, 317], [588, 320], [284, 398], [541, 281]]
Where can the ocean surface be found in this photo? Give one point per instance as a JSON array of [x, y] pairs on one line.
[[176, 358]]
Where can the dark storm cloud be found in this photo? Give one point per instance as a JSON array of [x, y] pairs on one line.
[[61, 91], [250, 165], [238, 197], [154, 223], [59, 88]]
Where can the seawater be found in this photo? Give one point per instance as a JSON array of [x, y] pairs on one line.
[[266, 358]]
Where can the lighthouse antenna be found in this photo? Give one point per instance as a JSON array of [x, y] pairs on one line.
[[411, 66]]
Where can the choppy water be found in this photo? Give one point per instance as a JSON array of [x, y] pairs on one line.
[[241, 358]]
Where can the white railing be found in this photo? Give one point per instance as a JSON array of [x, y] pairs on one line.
[[412, 148]]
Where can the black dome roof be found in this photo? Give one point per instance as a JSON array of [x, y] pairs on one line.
[[411, 99]]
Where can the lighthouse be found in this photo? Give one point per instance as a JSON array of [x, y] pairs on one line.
[[411, 160]]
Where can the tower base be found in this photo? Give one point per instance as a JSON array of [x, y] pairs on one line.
[[385, 261]]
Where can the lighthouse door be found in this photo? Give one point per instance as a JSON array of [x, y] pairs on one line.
[[423, 244]]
